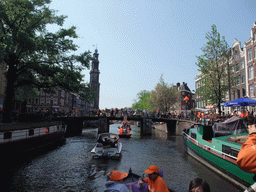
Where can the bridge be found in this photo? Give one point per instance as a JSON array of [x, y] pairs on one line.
[[75, 125]]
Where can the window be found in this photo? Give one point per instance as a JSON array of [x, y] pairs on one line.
[[251, 90], [237, 67], [243, 77], [238, 94], [55, 93], [55, 101], [250, 72], [243, 92], [236, 55], [242, 64], [234, 95], [42, 93], [48, 101], [42, 101], [249, 54], [238, 79], [29, 101], [36, 101]]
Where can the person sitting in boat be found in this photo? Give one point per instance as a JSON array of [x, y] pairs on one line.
[[199, 184], [241, 115], [155, 182], [121, 130], [247, 114], [115, 182], [107, 142], [100, 140], [246, 159]]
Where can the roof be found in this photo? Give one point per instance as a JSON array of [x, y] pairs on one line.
[[184, 87]]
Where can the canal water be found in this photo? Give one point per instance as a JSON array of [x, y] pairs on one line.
[[70, 167]]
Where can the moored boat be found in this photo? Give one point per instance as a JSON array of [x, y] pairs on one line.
[[218, 146], [108, 146], [23, 137]]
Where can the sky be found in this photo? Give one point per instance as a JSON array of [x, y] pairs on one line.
[[140, 40]]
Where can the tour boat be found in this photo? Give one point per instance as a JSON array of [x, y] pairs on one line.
[[218, 146], [108, 146]]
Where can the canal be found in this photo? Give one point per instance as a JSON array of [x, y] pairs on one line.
[[70, 167]]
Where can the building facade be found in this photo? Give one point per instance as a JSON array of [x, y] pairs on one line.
[[184, 91], [242, 65]]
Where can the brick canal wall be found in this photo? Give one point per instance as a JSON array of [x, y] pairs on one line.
[[180, 125]]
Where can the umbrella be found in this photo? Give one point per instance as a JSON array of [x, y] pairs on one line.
[[240, 102]]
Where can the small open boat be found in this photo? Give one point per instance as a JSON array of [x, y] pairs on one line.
[[133, 179], [108, 146], [126, 133], [126, 128], [218, 147]]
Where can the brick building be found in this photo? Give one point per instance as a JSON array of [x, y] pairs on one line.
[[184, 91]]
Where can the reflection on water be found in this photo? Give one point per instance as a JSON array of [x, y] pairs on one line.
[[71, 167]]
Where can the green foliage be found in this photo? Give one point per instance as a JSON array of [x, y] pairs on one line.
[[34, 56], [164, 96], [214, 68], [141, 102]]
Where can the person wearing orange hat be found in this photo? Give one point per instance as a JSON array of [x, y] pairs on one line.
[[115, 182], [155, 182]]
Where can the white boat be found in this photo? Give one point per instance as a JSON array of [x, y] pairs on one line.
[[108, 146]]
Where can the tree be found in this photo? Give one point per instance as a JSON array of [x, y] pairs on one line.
[[213, 65], [164, 96], [35, 57], [141, 102]]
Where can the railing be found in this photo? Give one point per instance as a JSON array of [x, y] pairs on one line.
[[25, 134]]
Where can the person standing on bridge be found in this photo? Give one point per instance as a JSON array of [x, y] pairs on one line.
[[154, 180]]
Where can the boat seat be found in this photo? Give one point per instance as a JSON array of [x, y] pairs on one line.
[[99, 145]]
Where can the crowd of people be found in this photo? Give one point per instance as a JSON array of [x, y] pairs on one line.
[[153, 183]]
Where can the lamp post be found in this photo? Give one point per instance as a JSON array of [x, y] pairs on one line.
[[186, 99]]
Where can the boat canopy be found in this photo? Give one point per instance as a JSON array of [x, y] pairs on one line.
[[233, 125]]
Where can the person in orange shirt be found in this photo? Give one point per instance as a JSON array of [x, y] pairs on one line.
[[241, 115], [155, 182], [246, 159], [121, 130], [247, 114]]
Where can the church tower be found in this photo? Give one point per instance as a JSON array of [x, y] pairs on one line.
[[94, 79]]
